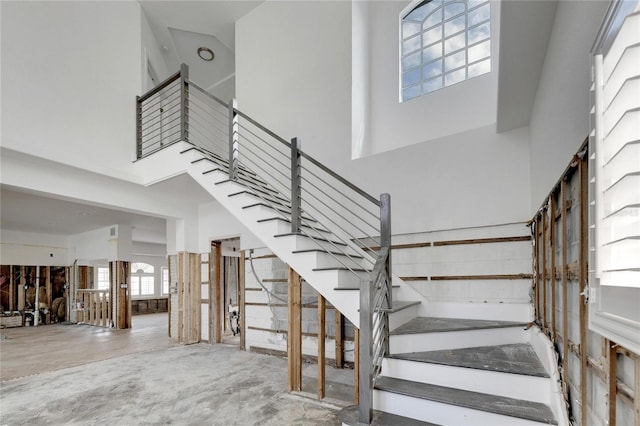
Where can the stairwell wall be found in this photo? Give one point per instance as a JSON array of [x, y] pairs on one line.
[[303, 88]]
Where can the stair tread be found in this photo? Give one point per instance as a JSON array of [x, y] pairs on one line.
[[398, 305], [516, 358], [435, 325], [355, 256], [349, 416], [284, 219], [358, 288], [300, 234], [340, 269], [529, 410]]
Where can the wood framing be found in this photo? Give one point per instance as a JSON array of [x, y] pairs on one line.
[[583, 256], [120, 282], [356, 366], [321, 346], [241, 301], [217, 302], [339, 338], [294, 341]]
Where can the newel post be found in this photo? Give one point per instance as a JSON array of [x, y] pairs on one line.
[[296, 189], [385, 240], [234, 142], [184, 102]]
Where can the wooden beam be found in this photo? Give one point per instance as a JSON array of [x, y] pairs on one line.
[[583, 256], [339, 337], [48, 289], [321, 346], [294, 341], [12, 290], [552, 248], [241, 300], [565, 290], [218, 302], [544, 271], [636, 399], [536, 288], [612, 379], [169, 297], [473, 277], [211, 296], [181, 266], [356, 366]]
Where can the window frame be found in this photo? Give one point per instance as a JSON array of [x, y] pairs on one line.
[[136, 284], [437, 65]]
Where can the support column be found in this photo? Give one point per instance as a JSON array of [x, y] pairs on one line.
[[241, 300], [189, 283], [218, 303], [120, 286], [294, 341]]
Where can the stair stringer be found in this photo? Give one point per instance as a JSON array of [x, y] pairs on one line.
[[175, 160]]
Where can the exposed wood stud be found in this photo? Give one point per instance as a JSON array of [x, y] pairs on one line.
[[321, 346], [294, 341], [543, 295], [552, 240], [339, 337], [536, 304], [565, 289], [180, 262], [583, 223], [12, 290], [21, 290], [356, 366], [612, 378], [211, 296], [217, 299], [241, 300], [636, 399]]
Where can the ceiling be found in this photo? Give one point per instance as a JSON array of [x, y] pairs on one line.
[[180, 27]]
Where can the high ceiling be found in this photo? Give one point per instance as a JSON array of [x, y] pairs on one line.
[[180, 27]]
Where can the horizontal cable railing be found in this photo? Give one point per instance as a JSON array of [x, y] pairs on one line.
[[341, 219]]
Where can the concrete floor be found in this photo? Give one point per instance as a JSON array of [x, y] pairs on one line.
[[82, 375]]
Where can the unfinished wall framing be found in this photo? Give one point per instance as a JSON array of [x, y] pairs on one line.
[[601, 379]]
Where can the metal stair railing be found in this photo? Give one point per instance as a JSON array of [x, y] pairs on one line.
[[339, 217]]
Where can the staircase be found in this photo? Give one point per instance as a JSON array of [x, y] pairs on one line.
[[434, 363]]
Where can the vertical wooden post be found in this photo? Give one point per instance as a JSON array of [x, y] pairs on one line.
[[218, 302], [212, 286], [241, 299], [636, 399], [321, 345], [339, 337], [294, 341], [195, 311], [121, 282], [544, 270], [552, 249], [356, 366], [169, 307], [583, 197], [612, 376], [21, 291], [565, 290], [536, 289], [48, 289], [12, 290], [181, 265]]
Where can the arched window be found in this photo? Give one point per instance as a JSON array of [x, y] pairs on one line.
[[142, 279], [444, 42]]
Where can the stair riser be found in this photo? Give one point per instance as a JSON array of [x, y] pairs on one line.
[[283, 227], [481, 311], [496, 383], [439, 413], [456, 339], [326, 260], [396, 319], [306, 243]]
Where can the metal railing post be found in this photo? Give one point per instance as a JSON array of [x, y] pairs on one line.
[[138, 128], [296, 190], [365, 375], [234, 142], [184, 102], [385, 241]]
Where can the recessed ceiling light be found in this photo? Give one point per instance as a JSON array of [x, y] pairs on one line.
[[205, 54]]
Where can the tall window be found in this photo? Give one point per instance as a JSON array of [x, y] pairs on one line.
[[444, 42], [165, 280], [103, 278], [142, 279]]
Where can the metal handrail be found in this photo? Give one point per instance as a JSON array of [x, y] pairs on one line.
[[313, 191]]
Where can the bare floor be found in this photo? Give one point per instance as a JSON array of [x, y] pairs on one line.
[[82, 375]]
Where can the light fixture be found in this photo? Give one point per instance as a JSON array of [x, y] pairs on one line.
[[205, 54]]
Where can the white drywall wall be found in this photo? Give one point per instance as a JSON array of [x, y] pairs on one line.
[[302, 87], [26, 248], [70, 72], [560, 118], [216, 223], [456, 109]]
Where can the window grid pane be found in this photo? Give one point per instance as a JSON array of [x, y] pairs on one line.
[[165, 281], [456, 45]]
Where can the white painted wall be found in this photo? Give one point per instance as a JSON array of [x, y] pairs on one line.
[[26, 248], [110, 243], [216, 223], [70, 72], [560, 118], [152, 52], [456, 109], [302, 87]]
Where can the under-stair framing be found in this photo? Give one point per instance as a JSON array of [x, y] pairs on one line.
[[418, 360]]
